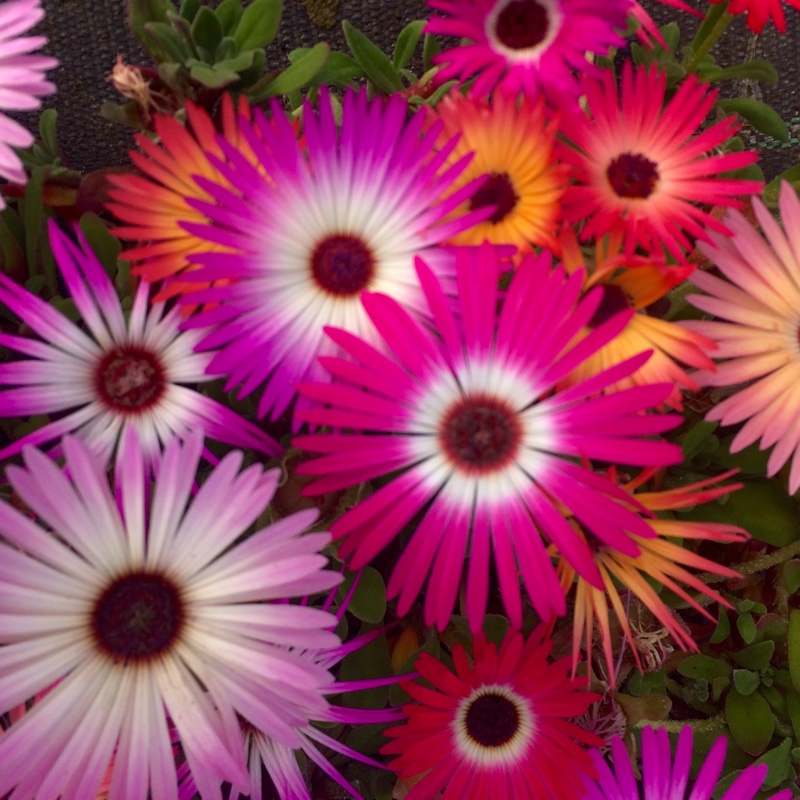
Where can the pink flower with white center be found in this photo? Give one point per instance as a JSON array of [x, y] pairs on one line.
[[482, 446], [527, 46], [110, 373], [22, 80], [146, 611], [667, 778], [342, 212], [757, 329]]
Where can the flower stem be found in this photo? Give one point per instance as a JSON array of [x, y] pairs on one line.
[[706, 39], [716, 723]]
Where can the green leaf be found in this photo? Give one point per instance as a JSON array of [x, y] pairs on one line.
[[759, 69], [339, 70], [495, 627], [723, 629], [295, 76], [671, 34], [47, 129], [170, 42], [775, 698], [258, 24], [142, 12], [372, 60], [793, 647], [229, 12], [772, 189], [791, 575], [207, 29], [703, 666], [407, 43], [255, 70], [370, 661], [747, 627], [698, 439], [189, 9], [766, 512], [779, 762], [750, 720], [793, 709], [745, 681], [761, 116], [368, 602], [430, 48], [213, 77], [757, 656], [104, 245], [239, 63]]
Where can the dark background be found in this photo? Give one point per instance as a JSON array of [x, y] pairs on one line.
[[86, 35]]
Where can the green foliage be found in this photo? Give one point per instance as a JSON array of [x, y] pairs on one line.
[[761, 116]]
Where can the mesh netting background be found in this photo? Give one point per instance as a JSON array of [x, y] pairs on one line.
[[86, 35]]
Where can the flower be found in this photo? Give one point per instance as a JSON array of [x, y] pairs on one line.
[[22, 80], [478, 442], [495, 729], [513, 147], [759, 12], [639, 167], [647, 30], [144, 606], [637, 283], [347, 213], [760, 301], [661, 559], [109, 373], [156, 204], [664, 777], [526, 45]]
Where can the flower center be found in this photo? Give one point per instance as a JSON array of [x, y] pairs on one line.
[[342, 264], [130, 378], [632, 175], [522, 24], [492, 720], [614, 300], [498, 191], [138, 616], [480, 433]]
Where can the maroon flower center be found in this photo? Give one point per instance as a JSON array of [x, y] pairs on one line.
[[632, 175], [130, 379], [137, 617], [498, 191], [492, 720], [613, 301], [342, 264], [522, 24], [480, 434]]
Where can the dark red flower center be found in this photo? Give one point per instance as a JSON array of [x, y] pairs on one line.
[[632, 175], [492, 720], [480, 434], [137, 617], [522, 24], [130, 378], [343, 264], [613, 301], [498, 191]]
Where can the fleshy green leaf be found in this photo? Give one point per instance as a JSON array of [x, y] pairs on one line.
[[105, 246], [169, 41], [793, 647], [372, 60], [368, 602], [747, 627], [766, 512], [295, 76], [756, 657], [370, 661], [750, 720], [745, 681], [142, 12], [189, 9], [791, 575], [258, 24], [207, 29], [759, 69], [407, 43], [229, 12], [761, 116], [430, 48], [213, 77], [339, 70], [703, 666]]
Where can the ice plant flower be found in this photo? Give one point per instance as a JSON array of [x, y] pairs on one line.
[[666, 777], [154, 205], [643, 167], [347, 213], [661, 559], [513, 146], [636, 282], [110, 373], [22, 80], [759, 12], [479, 443], [526, 46], [495, 729], [756, 304], [143, 607]]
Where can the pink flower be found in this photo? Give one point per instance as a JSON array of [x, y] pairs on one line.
[[481, 446], [759, 12]]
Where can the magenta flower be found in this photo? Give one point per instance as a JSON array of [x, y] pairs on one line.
[[527, 45], [666, 778], [142, 606], [342, 213], [483, 447], [109, 374], [22, 80]]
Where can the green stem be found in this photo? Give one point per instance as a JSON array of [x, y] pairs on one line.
[[674, 725], [709, 41]]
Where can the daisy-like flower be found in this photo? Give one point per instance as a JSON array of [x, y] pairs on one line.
[[110, 373], [156, 204], [480, 444], [643, 167], [637, 283], [527, 45], [495, 729], [665, 776], [759, 12], [22, 80], [142, 607], [661, 559], [757, 304], [347, 213], [513, 147]]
